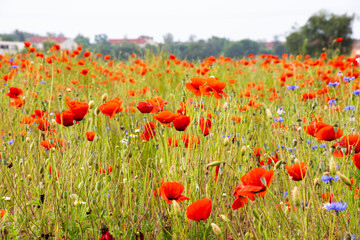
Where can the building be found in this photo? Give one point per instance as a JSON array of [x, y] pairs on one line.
[[64, 42], [355, 48], [141, 41], [10, 47]]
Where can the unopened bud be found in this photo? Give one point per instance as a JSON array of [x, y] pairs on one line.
[[296, 196], [216, 229], [213, 164], [256, 215], [91, 104], [278, 164], [104, 97], [243, 150], [53, 122], [343, 178], [68, 89], [332, 166], [97, 111], [224, 218], [226, 141], [176, 207], [268, 113], [316, 182], [29, 177], [27, 139]]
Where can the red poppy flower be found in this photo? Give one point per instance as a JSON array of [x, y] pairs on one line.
[[90, 135], [349, 142], [258, 151], [43, 125], [79, 109], [104, 168], [27, 44], [2, 213], [87, 54], [340, 39], [107, 236], [328, 134], [84, 71], [14, 92], [357, 160], [205, 125], [297, 171], [107, 57], [65, 118], [144, 107], [199, 210], [328, 197], [165, 117], [18, 102], [215, 86], [172, 191], [194, 85], [53, 143], [251, 185], [149, 131], [111, 107], [173, 142], [314, 127], [190, 142], [181, 122]]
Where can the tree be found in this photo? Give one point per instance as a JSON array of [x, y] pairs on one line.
[[321, 30], [242, 48], [83, 41]]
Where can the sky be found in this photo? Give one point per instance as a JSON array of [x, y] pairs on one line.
[[231, 19]]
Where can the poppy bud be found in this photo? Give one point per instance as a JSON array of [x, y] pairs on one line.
[[243, 150], [316, 182], [226, 141], [98, 186], [343, 178], [224, 218], [176, 207], [91, 104], [68, 89], [296, 196], [256, 215], [97, 111], [53, 122], [80, 185], [278, 164], [213, 164], [104, 97], [332, 166], [29, 177], [216, 229], [268, 113], [28, 139]]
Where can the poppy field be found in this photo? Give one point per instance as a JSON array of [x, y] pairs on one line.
[[263, 147]]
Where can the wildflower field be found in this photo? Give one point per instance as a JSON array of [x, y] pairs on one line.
[[264, 147]]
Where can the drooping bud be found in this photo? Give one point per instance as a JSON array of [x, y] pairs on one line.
[[316, 182], [296, 196], [216, 229], [226, 141], [176, 207], [268, 113], [91, 104], [278, 164], [104, 97], [332, 166], [343, 178], [224, 218], [214, 164]]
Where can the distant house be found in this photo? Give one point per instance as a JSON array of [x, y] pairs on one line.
[[355, 48], [10, 47], [64, 42], [141, 41]]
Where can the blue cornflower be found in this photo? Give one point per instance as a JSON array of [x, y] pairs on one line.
[[11, 142], [322, 145], [356, 92], [347, 79], [332, 102], [14, 66], [337, 206], [308, 141], [42, 82], [286, 194], [280, 119], [350, 237], [291, 149], [315, 147], [224, 136], [348, 108], [333, 84], [11, 60], [292, 87], [327, 178]]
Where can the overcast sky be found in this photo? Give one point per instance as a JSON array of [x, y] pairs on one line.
[[232, 19]]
